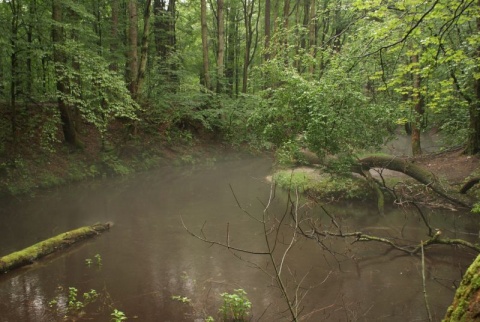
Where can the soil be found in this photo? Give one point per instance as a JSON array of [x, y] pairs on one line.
[[454, 165]]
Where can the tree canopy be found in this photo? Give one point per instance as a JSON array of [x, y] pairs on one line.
[[332, 76]]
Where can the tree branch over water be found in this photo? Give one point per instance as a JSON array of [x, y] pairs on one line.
[[357, 236], [271, 227]]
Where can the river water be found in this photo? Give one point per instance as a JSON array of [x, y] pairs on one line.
[[147, 257]]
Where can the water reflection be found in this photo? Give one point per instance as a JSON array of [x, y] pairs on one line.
[[148, 257]]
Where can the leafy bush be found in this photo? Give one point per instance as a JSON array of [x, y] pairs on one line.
[[235, 306]]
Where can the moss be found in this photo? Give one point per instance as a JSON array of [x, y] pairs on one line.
[[43, 248], [323, 186], [465, 303]]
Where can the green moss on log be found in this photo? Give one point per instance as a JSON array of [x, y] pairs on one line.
[[466, 303], [46, 247]]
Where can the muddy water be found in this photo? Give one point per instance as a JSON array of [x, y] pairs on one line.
[[148, 257]]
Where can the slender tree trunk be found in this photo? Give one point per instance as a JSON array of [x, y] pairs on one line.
[[267, 30], [312, 36], [114, 33], [304, 34], [144, 49], [2, 77], [473, 141], [247, 10], [231, 49], [132, 60], [221, 45], [31, 11], [286, 16], [14, 5], [59, 59], [338, 31], [172, 9], [97, 26], [418, 109], [276, 6], [325, 26], [161, 29], [76, 79], [203, 18]]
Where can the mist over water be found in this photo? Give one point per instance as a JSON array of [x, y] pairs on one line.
[[148, 257]]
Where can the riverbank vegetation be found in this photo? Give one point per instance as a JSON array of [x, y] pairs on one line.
[[99, 88]]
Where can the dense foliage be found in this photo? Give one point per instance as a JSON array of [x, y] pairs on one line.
[[335, 77]]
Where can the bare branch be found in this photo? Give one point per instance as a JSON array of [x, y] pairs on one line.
[[424, 285], [240, 206], [213, 242]]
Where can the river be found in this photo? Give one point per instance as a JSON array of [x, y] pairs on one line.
[[147, 257]]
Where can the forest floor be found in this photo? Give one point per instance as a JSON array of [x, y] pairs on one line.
[[454, 165]]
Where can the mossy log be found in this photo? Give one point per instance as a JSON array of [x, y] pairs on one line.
[[416, 172], [466, 303], [46, 247]]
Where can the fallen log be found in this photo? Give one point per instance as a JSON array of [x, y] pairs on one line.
[[418, 173], [30, 254], [405, 166]]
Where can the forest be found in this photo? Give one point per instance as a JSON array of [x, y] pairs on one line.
[[97, 88], [336, 77]]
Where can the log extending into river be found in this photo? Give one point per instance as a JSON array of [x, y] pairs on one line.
[[411, 169], [30, 254], [418, 173]]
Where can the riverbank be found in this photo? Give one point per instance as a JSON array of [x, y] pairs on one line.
[[32, 166], [452, 168]]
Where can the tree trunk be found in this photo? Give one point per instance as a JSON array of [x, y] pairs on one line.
[[418, 109], [286, 16], [473, 141], [161, 28], [303, 35], [172, 35], [221, 44], [31, 12], [59, 59], [46, 247], [14, 5], [312, 36], [144, 49], [114, 34], [267, 30], [325, 26], [231, 49], [165, 41], [465, 306], [247, 13], [203, 18], [132, 61]]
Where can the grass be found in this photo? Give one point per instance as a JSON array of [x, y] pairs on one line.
[[324, 186]]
